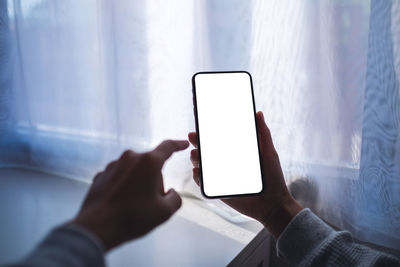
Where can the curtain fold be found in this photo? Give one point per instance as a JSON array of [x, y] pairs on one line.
[[377, 194], [82, 81]]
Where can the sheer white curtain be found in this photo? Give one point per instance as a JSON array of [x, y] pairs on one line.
[[83, 80], [91, 78]]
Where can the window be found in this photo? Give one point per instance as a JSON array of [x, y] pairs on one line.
[[80, 82]]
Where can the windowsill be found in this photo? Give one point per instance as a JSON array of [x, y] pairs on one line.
[[33, 203], [193, 210]]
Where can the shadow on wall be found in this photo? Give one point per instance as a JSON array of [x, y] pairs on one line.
[[305, 191]]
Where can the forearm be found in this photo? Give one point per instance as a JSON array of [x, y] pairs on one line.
[[68, 245], [308, 241]]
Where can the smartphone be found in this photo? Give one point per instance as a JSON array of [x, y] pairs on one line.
[[229, 154]]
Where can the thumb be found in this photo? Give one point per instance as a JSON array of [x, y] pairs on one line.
[[172, 200], [266, 143]]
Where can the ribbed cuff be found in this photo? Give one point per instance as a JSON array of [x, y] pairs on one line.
[[68, 245], [93, 238], [302, 236]]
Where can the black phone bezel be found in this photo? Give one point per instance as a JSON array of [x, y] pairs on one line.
[[198, 135]]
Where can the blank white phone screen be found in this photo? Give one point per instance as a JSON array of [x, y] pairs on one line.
[[229, 154]]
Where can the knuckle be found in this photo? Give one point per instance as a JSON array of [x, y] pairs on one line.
[[127, 155], [110, 165], [271, 154], [275, 154], [173, 144], [149, 158], [168, 143], [97, 177]]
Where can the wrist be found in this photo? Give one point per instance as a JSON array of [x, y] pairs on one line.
[[103, 233], [83, 232], [281, 215]]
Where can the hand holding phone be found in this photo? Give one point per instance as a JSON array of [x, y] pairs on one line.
[[274, 207]]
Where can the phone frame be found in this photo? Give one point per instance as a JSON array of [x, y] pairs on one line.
[[198, 135]]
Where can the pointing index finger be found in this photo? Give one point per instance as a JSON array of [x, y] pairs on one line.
[[168, 147]]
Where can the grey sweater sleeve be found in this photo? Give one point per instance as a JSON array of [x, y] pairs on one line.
[[68, 245], [308, 241]]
